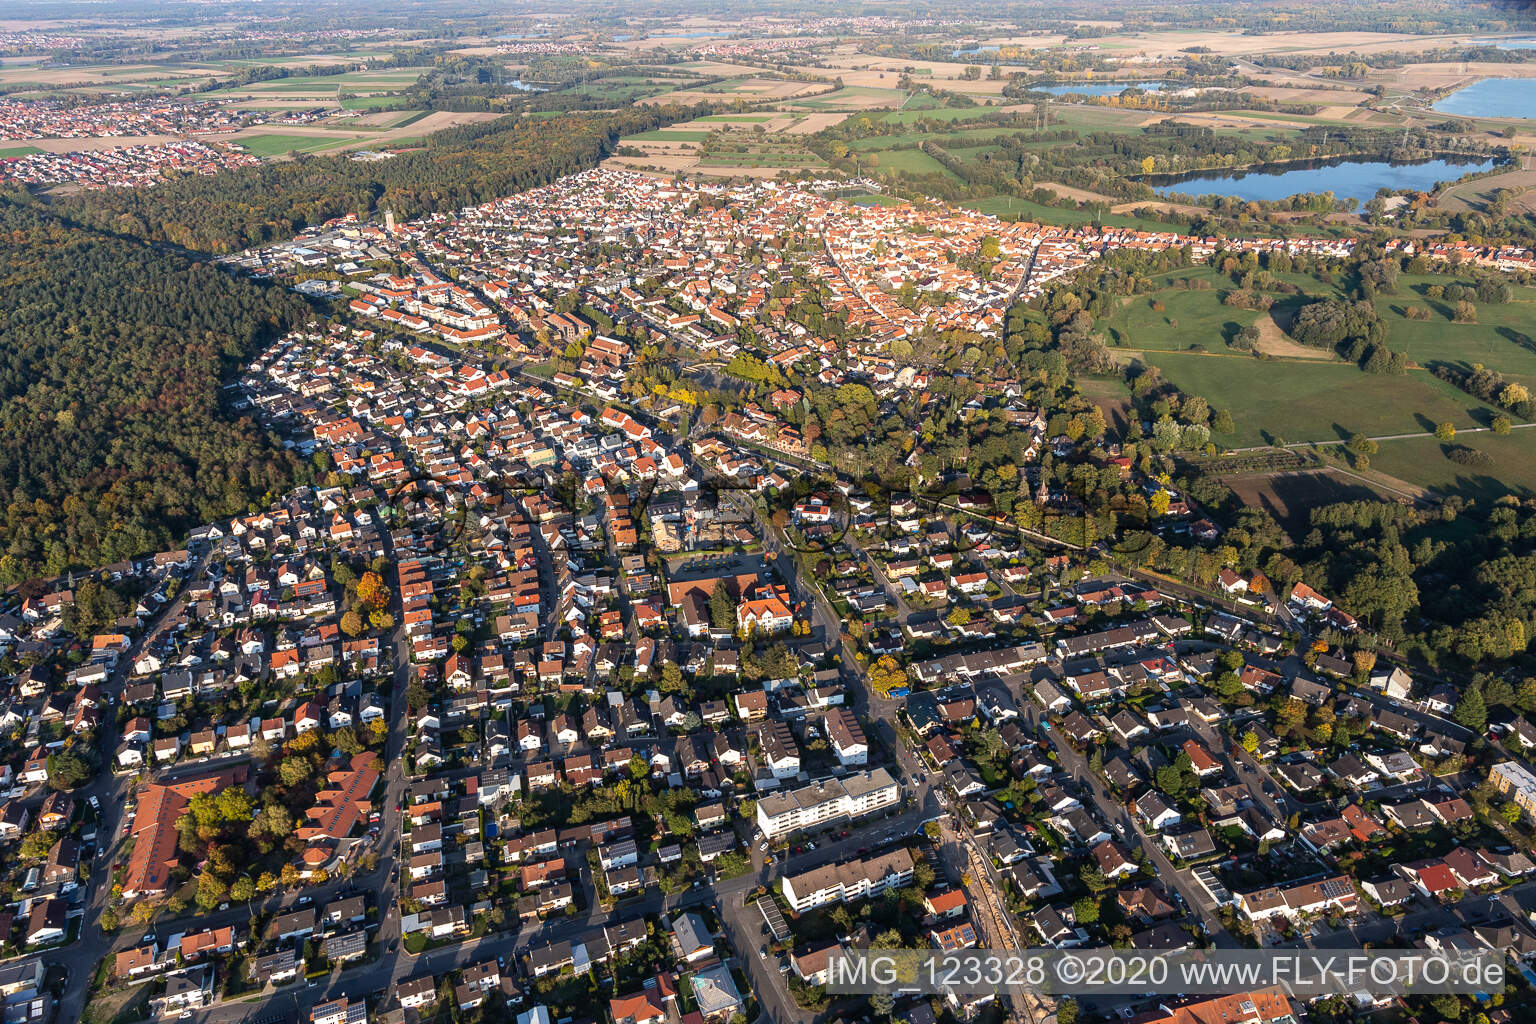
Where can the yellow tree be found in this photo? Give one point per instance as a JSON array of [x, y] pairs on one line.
[[886, 675]]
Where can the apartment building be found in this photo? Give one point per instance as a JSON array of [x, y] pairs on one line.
[[845, 883], [779, 814], [1514, 781]]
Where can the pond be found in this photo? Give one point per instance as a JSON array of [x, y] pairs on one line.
[[1358, 180], [1098, 88], [1492, 97]]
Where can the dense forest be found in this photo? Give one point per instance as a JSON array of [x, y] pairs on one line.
[[458, 167], [113, 438]]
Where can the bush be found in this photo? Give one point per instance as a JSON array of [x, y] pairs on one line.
[[1464, 456]]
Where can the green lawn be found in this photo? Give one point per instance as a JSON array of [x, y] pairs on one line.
[[913, 161], [1504, 337], [947, 139], [368, 102], [1316, 401], [922, 101], [1013, 208], [279, 145], [10, 151], [1422, 461], [1189, 317]]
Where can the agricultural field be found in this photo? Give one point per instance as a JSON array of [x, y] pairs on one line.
[[769, 159], [314, 87], [369, 102], [670, 135], [950, 140], [281, 145], [852, 98]]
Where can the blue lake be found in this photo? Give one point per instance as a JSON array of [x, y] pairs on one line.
[[1509, 44], [1493, 97], [1097, 88], [1346, 179]]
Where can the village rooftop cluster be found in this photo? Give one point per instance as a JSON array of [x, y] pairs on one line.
[[539, 680]]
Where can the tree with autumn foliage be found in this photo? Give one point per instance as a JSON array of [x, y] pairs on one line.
[[886, 676], [371, 591]]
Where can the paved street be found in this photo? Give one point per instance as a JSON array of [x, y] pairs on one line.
[[1115, 812]]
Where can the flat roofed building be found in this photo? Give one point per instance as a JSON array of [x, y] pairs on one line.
[[854, 880], [852, 796]]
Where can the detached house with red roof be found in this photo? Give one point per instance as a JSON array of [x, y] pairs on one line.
[[307, 716], [1434, 878], [641, 1008]]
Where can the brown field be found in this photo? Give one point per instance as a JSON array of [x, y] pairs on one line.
[[1273, 341], [1082, 195], [1475, 195], [810, 124], [1167, 44], [1291, 495], [1338, 99], [1142, 204], [1445, 76], [1231, 119]]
